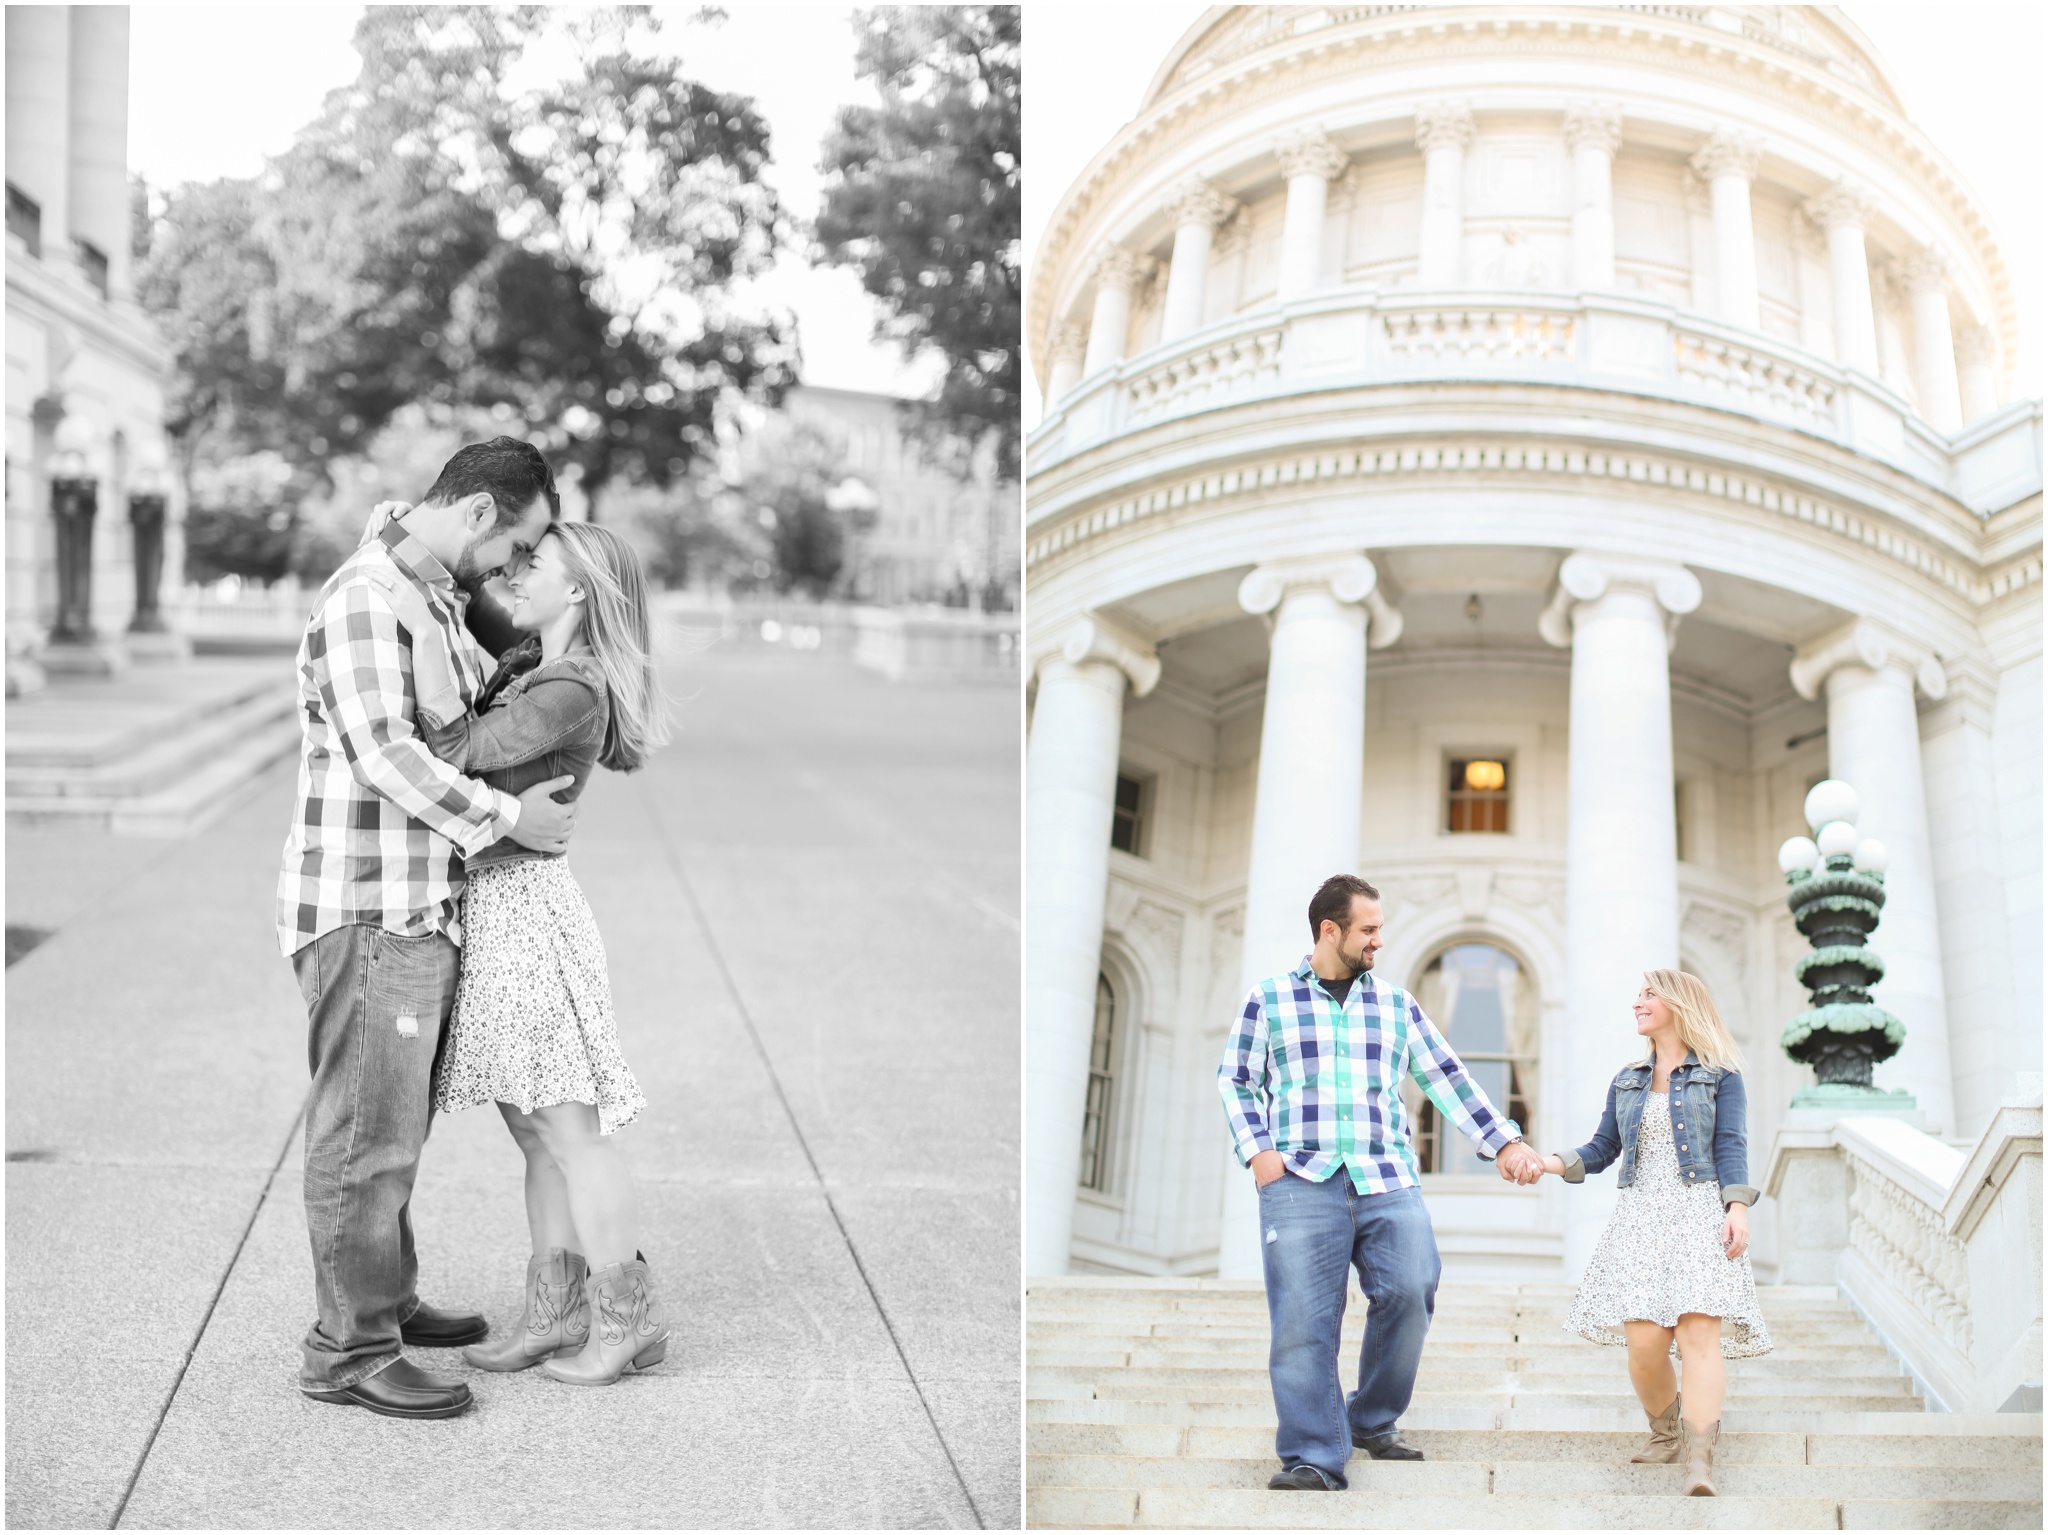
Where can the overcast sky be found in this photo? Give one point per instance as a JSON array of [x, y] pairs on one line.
[[215, 89], [1086, 66]]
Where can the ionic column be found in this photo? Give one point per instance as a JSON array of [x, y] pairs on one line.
[[1305, 813], [1869, 673], [1621, 848], [1843, 210], [1117, 272], [1592, 132], [1977, 371], [1443, 131], [1310, 162], [1070, 797], [1925, 274], [1199, 210], [1065, 344], [39, 116], [1727, 164], [99, 135]]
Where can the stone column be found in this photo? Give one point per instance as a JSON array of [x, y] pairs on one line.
[[1592, 132], [1977, 371], [1892, 366], [1727, 164], [1199, 210], [1621, 854], [1305, 814], [99, 135], [1066, 345], [1843, 210], [1925, 274], [1117, 272], [1443, 132], [1310, 162], [1070, 796], [1868, 673], [39, 116]]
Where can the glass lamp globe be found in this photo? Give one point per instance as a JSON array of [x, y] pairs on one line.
[[1836, 837], [1871, 856], [1797, 853], [1830, 800]]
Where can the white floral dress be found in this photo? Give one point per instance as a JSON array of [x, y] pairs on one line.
[[1661, 1254], [532, 1023]]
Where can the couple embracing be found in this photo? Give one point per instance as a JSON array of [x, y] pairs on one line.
[[445, 953], [1311, 1079]]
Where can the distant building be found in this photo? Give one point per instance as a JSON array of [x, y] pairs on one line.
[[82, 360], [937, 533]]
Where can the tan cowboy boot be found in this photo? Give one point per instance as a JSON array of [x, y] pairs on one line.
[[1662, 1448], [1699, 1459], [557, 1315], [628, 1330]]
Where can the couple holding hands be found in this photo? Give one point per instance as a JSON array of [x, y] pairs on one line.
[[1311, 1078]]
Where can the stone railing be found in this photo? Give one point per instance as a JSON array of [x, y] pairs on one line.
[[1939, 1248], [1350, 338]]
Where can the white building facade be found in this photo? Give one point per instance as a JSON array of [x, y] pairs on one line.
[[1512, 453]]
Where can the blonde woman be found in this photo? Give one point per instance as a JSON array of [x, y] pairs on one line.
[[532, 1026], [1674, 1260]]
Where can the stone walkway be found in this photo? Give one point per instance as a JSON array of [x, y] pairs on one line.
[[810, 903]]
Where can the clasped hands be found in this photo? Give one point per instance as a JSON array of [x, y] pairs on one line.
[[1519, 1163]]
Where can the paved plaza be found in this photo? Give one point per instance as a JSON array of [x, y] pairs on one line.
[[810, 903]]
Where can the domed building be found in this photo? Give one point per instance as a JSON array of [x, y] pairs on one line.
[[1513, 453]]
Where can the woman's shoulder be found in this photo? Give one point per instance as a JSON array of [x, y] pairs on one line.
[[578, 666]]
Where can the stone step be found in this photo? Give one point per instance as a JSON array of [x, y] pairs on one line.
[[1173, 1508], [1225, 1384], [1552, 1413], [182, 806], [1193, 1354], [82, 726], [1528, 1478], [1612, 1382], [1924, 1441], [158, 761]]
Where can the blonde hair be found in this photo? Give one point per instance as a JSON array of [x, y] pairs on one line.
[[617, 628], [1700, 1028]]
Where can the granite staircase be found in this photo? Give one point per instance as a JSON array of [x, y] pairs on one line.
[[1147, 1405]]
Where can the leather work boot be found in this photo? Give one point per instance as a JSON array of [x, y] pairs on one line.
[[1699, 1459], [557, 1318], [1662, 1448], [628, 1330]]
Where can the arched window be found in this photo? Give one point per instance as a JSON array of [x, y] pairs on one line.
[[1101, 1090], [1483, 1001]]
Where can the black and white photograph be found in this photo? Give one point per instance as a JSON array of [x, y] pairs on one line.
[[513, 735]]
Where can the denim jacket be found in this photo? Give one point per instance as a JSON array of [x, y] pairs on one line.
[[1708, 1121], [532, 722]]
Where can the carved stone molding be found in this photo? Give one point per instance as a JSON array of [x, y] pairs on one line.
[[1091, 637], [1976, 344], [1727, 153], [1846, 202], [1533, 893], [1418, 892], [1593, 125], [1906, 1240], [1194, 201], [1716, 926], [1924, 271], [1066, 340], [1309, 152], [1116, 267], [1349, 578], [1864, 642], [1443, 125], [1586, 577]]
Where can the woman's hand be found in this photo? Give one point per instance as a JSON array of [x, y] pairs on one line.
[[1735, 1231], [380, 514]]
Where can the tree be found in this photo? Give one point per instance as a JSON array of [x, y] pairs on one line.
[[924, 201], [791, 494]]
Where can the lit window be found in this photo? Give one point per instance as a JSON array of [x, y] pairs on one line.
[[1483, 1003], [1127, 825], [1101, 1087], [1477, 794]]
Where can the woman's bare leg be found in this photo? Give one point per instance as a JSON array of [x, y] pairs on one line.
[[547, 1194], [1649, 1366], [1706, 1376], [602, 1201]]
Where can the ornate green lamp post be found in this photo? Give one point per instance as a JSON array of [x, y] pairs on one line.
[[1836, 892]]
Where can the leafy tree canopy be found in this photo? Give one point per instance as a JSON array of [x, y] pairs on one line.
[[923, 200]]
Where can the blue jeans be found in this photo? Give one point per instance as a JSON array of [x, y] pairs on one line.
[[376, 1005], [1312, 1233]]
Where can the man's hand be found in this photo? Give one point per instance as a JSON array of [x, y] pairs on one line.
[[1269, 1167], [1519, 1164], [544, 825]]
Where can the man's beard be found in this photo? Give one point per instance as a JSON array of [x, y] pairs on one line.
[[1360, 962]]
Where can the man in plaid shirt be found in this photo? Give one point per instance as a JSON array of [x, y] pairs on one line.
[[1311, 1079], [368, 902]]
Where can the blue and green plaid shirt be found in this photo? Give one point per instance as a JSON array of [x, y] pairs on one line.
[[1320, 1083]]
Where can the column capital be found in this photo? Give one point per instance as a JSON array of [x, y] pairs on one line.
[[1846, 203], [1885, 282], [1443, 125], [1350, 577], [1194, 201], [1091, 637], [1309, 152], [1924, 270], [1593, 125], [1116, 267], [1727, 153], [1975, 344], [1587, 576], [1864, 642], [1065, 339]]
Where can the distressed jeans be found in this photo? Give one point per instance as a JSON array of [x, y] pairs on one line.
[[1312, 1234], [377, 1005]]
